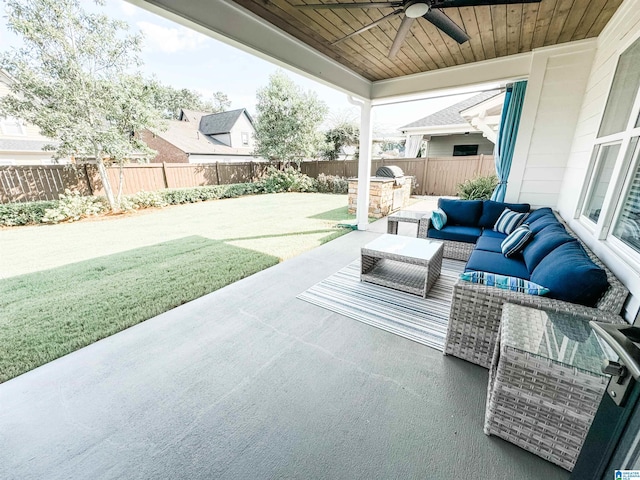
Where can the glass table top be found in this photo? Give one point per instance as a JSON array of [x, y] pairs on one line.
[[562, 337], [405, 246], [407, 215]]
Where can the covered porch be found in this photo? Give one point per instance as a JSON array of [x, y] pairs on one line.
[[251, 382]]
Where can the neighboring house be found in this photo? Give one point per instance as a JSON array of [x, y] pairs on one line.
[[199, 137], [21, 143], [466, 128]]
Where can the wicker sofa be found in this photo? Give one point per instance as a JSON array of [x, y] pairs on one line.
[[476, 309]]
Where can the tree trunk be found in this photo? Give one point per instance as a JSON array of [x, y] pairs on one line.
[[104, 177]]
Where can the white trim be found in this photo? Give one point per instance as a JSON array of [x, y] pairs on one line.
[[236, 26], [440, 129], [364, 162]]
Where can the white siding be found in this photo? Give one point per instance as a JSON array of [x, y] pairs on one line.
[[195, 158], [442, 146], [242, 125], [550, 114], [621, 31]]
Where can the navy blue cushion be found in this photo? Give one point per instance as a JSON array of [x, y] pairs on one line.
[[489, 244], [491, 211], [461, 212], [544, 242], [456, 233], [494, 262], [542, 222], [570, 275], [538, 213], [493, 234]]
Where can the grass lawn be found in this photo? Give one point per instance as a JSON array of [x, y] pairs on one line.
[[63, 287]]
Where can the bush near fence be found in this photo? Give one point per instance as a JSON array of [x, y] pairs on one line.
[[434, 176]]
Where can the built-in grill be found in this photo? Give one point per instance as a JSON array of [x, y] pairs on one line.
[[391, 171]]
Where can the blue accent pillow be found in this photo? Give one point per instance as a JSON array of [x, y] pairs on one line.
[[507, 283], [461, 212], [543, 243], [509, 221], [516, 241], [491, 211], [438, 218], [571, 276]]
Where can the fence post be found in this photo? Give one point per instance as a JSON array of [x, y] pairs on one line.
[[217, 174], [479, 167], [164, 175], [425, 165]]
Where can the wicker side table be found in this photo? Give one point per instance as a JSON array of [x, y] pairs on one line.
[[545, 382], [410, 217]]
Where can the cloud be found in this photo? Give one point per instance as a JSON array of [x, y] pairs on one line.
[[170, 39]]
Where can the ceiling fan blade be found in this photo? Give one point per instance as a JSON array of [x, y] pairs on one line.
[[403, 31], [336, 6], [444, 23], [476, 3], [371, 25]]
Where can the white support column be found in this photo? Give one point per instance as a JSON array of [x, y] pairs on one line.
[[364, 162]]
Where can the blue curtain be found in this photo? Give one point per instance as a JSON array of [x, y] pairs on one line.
[[507, 134]]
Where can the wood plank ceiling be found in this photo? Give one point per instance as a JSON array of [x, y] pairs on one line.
[[495, 31]]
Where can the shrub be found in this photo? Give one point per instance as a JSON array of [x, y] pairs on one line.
[[12, 214], [143, 200], [331, 184], [177, 196], [287, 180], [479, 188], [72, 206]]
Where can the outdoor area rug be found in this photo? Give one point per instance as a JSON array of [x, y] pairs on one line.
[[423, 320]]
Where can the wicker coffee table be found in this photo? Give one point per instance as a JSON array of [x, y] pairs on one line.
[[410, 217], [545, 382], [408, 264]]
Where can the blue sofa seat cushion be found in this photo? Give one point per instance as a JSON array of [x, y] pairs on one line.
[[456, 233], [496, 262], [491, 211], [461, 212], [570, 275], [489, 244], [543, 243]]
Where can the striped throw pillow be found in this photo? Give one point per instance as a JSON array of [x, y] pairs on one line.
[[516, 241], [502, 281], [438, 218], [509, 221]]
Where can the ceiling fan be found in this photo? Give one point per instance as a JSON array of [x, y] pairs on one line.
[[413, 9]]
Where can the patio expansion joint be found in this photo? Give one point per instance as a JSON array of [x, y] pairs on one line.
[[358, 368]]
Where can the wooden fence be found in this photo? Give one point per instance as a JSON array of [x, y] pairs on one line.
[[434, 176]]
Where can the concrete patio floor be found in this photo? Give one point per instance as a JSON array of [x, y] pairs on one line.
[[250, 382]]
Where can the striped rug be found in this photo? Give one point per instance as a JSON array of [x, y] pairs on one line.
[[423, 320]]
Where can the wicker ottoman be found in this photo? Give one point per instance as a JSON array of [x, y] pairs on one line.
[[410, 217], [545, 382]]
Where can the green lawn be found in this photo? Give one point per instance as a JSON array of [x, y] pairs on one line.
[[66, 286]]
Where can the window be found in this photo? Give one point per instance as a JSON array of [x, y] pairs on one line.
[[11, 126], [610, 197], [465, 150], [601, 181], [245, 138]]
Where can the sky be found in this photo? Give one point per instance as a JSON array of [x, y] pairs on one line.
[[183, 58]]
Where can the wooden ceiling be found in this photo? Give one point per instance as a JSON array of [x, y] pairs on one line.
[[495, 31]]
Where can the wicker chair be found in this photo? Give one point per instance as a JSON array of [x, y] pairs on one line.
[[476, 309]]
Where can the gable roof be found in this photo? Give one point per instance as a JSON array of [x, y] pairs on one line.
[[186, 137], [192, 116], [216, 123], [451, 115]]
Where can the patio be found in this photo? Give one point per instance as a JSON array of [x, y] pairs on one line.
[[250, 382]]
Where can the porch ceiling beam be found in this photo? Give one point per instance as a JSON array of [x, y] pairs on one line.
[[231, 24]]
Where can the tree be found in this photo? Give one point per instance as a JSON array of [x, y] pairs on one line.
[[342, 135], [169, 101], [73, 79], [287, 121]]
